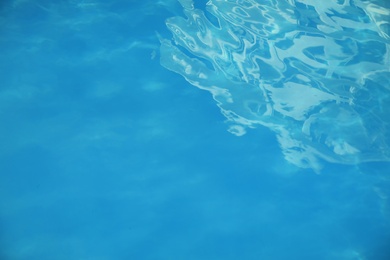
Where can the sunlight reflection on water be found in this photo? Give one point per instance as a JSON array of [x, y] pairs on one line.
[[314, 72]]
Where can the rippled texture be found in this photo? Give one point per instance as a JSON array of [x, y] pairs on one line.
[[314, 72]]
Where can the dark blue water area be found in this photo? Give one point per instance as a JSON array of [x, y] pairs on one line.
[[104, 154]]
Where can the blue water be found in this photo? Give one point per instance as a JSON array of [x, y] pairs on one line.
[[180, 130]]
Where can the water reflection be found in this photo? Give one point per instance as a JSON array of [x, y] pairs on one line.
[[315, 72]]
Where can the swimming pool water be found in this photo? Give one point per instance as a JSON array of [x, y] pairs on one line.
[[108, 151]]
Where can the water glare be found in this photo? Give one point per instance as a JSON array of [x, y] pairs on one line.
[[315, 72]]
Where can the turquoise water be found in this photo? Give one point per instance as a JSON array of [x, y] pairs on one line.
[[194, 130]]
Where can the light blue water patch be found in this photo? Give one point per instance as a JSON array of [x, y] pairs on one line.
[[317, 74], [105, 154]]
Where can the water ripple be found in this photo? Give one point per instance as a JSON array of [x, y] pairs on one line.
[[315, 72]]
